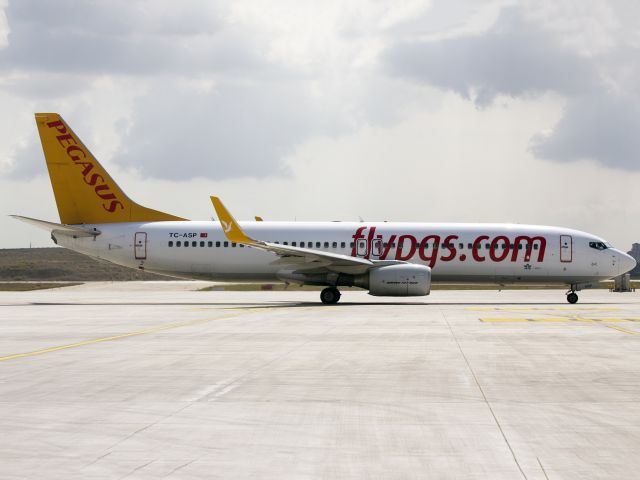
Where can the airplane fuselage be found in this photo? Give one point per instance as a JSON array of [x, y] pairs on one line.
[[496, 253]]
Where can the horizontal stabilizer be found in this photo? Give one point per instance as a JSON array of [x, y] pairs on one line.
[[59, 228]]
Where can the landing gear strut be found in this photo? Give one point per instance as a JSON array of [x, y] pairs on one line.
[[330, 295], [572, 297]]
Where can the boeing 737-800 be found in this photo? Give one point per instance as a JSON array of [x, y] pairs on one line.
[[386, 258]]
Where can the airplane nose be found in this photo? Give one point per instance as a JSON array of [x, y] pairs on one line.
[[627, 262]]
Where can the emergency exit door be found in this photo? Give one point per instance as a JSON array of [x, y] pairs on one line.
[[140, 245], [566, 248]]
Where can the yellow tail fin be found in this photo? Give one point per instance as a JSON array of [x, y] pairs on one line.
[[84, 191]]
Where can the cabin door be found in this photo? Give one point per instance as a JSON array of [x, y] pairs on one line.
[[140, 245], [566, 248]]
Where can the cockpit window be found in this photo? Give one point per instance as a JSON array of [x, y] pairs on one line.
[[598, 245]]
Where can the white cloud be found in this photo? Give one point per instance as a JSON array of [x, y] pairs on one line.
[[4, 25], [514, 58]]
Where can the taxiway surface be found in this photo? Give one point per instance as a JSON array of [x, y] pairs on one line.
[[156, 380]]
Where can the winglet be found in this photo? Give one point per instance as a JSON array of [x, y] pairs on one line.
[[229, 225]]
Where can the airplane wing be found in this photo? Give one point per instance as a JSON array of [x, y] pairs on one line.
[[71, 230], [304, 258]]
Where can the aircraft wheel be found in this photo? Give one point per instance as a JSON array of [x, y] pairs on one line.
[[572, 297], [330, 295]]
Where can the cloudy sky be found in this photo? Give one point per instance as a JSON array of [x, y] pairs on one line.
[[409, 110]]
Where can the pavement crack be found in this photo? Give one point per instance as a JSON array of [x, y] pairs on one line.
[[136, 469], [179, 467], [98, 459], [146, 427], [484, 396], [542, 468]]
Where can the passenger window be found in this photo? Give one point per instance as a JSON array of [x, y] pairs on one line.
[[178, 243], [343, 245], [233, 244], [487, 246], [202, 244], [194, 244], [170, 243], [285, 243], [217, 244], [210, 244], [301, 244], [519, 246], [241, 245], [335, 244], [469, 246], [186, 244], [293, 244], [226, 244], [351, 245], [317, 244], [326, 244], [535, 246], [385, 244], [461, 245]]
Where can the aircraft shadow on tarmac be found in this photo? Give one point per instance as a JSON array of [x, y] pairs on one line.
[[271, 305]]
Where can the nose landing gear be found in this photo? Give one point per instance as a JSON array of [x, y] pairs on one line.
[[572, 296], [330, 295]]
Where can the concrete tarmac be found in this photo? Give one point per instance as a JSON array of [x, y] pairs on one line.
[[156, 380]]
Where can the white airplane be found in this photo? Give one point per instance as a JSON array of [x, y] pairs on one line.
[[386, 258]]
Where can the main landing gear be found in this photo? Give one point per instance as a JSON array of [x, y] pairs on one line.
[[572, 296], [330, 295]]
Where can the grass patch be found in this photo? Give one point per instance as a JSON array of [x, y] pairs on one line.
[[27, 286]]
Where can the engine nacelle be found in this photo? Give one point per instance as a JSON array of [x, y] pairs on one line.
[[404, 280], [400, 280]]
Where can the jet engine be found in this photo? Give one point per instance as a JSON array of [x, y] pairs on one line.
[[404, 280], [397, 280]]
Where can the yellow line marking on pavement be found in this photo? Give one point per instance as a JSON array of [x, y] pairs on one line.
[[503, 320], [113, 337], [605, 321], [509, 309], [615, 327], [558, 319], [525, 319]]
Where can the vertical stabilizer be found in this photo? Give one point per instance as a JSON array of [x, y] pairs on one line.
[[84, 191]]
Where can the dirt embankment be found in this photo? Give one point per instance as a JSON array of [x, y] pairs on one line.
[[60, 264]]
